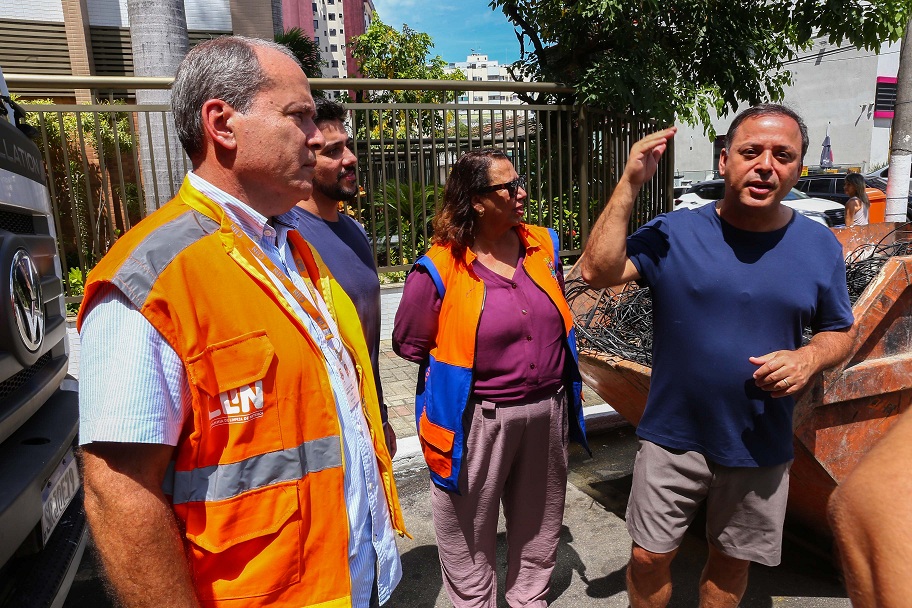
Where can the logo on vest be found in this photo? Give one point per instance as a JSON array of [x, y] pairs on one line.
[[239, 405]]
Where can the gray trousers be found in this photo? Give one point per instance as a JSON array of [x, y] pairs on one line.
[[517, 455]]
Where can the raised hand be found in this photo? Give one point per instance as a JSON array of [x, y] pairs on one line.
[[645, 154]]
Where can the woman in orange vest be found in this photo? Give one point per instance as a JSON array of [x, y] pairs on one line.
[[498, 393]]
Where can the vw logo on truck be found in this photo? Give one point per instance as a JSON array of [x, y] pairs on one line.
[[25, 293]]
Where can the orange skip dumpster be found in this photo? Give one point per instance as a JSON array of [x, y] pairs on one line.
[[842, 413]]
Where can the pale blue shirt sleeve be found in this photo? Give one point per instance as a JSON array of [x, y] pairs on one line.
[[132, 385]]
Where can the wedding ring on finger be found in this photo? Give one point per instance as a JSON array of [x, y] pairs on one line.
[[787, 385]]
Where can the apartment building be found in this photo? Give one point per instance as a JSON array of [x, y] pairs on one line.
[[331, 23], [479, 68], [92, 37]]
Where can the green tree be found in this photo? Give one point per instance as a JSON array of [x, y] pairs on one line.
[[386, 53], [93, 206], [305, 49], [690, 58]]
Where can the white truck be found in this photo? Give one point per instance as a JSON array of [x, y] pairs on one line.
[[42, 525]]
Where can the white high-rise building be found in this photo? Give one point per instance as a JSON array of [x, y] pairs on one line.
[[332, 24], [479, 67]]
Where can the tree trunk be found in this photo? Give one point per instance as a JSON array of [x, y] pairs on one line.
[[158, 33], [901, 146]]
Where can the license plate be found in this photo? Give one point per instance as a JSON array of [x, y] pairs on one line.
[[58, 493]]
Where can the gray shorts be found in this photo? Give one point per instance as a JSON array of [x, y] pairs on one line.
[[745, 505]]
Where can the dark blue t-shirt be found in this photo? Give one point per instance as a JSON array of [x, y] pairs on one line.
[[721, 295], [344, 247]]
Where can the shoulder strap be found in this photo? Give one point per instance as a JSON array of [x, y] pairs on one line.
[[428, 264], [556, 242]]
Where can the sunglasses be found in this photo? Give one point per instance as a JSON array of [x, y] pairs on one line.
[[512, 187]]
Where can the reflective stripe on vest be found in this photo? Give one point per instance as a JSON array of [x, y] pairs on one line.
[[226, 481], [445, 379]]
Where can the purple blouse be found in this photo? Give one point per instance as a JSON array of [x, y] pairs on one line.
[[520, 351]]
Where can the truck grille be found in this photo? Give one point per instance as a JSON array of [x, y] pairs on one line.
[[17, 223], [16, 381]]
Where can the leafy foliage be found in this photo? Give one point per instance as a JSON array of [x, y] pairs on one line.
[[94, 207], [305, 49], [690, 58], [386, 53], [400, 218], [77, 288]]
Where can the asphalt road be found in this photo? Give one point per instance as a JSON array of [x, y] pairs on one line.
[[591, 556]]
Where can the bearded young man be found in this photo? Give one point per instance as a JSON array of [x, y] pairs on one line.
[[339, 238]]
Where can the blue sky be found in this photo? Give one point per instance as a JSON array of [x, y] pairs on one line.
[[456, 26]]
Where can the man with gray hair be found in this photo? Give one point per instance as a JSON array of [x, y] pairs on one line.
[[220, 391]]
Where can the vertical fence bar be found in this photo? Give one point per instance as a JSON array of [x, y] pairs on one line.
[[64, 264], [384, 196], [559, 127], [583, 158], [411, 196], [394, 127], [107, 190], [164, 123], [523, 149], [90, 201], [71, 193], [137, 170], [124, 213], [422, 182], [373, 188], [153, 174], [358, 173], [434, 166]]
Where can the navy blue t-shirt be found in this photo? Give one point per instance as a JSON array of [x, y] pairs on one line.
[[721, 295], [344, 247]]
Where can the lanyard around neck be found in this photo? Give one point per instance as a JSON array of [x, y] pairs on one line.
[[248, 249]]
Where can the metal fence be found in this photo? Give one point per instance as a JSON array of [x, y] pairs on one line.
[[571, 157]]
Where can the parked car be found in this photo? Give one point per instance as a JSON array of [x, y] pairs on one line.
[[832, 185], [820, 210], [882, 172], [824, 185], [42, 525]]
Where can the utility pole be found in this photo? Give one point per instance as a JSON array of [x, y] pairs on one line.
[[901, 146]]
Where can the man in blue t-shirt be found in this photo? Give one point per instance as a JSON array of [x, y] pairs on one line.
[[733, 284], [339, 239]]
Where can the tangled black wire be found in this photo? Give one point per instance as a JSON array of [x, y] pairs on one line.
[[620, 323], [615, 323], [864, 264]]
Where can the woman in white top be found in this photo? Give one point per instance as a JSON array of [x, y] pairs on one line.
[[857, 207]]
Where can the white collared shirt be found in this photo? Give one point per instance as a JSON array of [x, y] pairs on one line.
[[148, 400]]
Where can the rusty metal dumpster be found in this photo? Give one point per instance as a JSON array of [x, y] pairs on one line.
[[842, 413]]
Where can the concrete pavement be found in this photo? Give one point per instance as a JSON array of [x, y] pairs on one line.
[[594, 546], [592, 553]]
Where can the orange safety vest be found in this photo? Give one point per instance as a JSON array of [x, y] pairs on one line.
[[258, 470], [445, 379]]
